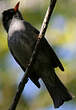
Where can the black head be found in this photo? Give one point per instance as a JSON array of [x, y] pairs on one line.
[[8, 16]]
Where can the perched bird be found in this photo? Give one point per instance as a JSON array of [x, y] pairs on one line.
[[22, 37]]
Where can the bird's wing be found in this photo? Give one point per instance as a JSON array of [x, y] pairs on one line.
[[52, 55], [45, 47]]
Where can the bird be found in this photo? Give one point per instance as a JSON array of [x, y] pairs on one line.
[[22, 37]]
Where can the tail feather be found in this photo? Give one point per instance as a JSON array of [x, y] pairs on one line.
[[59, 96], [56, 89]]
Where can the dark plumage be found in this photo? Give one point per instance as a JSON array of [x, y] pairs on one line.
[[22, 38]]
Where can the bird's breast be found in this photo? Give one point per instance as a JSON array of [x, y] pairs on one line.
[[20, 49], [16, 25]]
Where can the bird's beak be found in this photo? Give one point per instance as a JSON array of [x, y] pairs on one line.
[[16, 7]]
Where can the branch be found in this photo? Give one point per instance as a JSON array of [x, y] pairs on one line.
[[41, 34]]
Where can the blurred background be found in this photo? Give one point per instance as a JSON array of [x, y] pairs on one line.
[[61, 34]]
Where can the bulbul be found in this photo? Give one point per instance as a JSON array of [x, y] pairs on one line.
[[22, 37]]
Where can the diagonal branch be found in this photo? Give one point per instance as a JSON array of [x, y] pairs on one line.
[[41, 34]]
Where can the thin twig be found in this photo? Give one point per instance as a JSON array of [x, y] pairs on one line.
[[41, 34]]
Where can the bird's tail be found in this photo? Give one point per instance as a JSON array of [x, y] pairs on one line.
[[56, 89]]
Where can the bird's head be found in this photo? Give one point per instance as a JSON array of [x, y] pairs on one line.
[[8, 15]]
